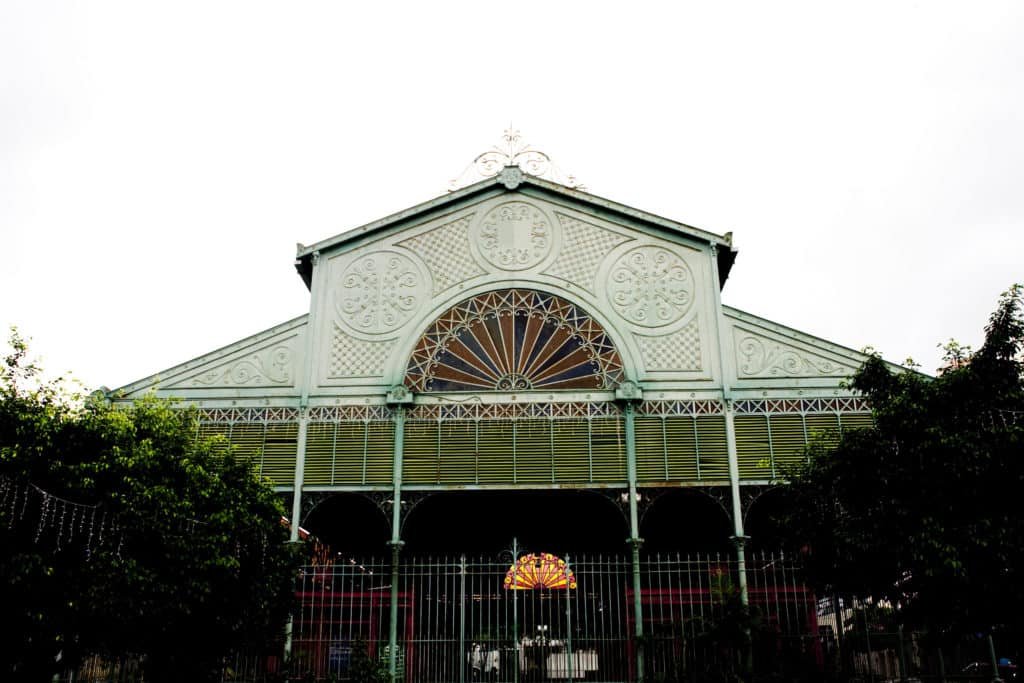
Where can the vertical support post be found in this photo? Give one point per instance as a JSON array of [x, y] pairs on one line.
[[995, 661], [568, 623], [629, 394], [727, 370], [462, 618], [305, 381], [398, 397], [300, 469], [296, 519], [739, 539], [515, 611], [867, 640], [902, 653]]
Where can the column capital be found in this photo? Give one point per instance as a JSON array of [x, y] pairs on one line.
[[739, 541], [629, 392], [399, 395], [635, 542]]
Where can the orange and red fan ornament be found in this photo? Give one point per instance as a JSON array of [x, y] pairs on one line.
[[535, 571]]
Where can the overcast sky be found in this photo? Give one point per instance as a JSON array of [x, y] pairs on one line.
[[159, 161]]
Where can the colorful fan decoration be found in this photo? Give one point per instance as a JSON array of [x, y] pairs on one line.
[[535, 571], [514, 340]]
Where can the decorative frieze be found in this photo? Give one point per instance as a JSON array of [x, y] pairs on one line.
[[248, 415], [272, 366], [681, 407], [471, 410], [845, 404], [349, 413], [761, 357]]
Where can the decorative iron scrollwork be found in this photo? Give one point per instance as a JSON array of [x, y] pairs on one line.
[[513, 152]]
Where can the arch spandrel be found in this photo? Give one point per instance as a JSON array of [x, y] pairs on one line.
[[513, 339]]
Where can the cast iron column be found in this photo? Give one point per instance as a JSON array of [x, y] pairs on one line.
[[629, 394], [398, 397], [739, 539]]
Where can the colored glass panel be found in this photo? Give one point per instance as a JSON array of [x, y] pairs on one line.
[[513, 340]]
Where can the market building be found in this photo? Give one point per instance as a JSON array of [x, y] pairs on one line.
[[534, 438]]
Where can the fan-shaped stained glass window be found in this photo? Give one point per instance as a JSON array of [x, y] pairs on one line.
[[514, 340]]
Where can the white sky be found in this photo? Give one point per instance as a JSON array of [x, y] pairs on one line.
[[159, 161]]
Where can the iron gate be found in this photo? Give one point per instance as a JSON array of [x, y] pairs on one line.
[[459, 620]]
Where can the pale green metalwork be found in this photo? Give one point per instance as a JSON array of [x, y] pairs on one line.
[[399, 397], [629, 393]]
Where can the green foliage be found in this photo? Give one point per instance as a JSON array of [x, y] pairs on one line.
[[366, 669], [924, 509], [198, 564]]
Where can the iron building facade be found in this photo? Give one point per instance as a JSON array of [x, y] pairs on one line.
[[518, 336]]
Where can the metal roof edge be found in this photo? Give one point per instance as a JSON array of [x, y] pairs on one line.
[[744, 316], [180, 368], [726, 255]]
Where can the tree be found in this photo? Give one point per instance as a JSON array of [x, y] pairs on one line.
[[122, 532], [924, 509]]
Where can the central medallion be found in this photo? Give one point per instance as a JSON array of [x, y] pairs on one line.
[[514, 236]]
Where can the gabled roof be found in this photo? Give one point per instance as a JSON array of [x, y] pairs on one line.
[[512, 178]]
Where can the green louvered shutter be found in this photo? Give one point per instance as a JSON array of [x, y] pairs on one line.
[[851, 421], [608, 449], [651, 463], [571, 439], [279, 450], [533, 452], [714, 452], [380, 451], [753, 449], [247, 441], [788, 444], [681, 442], [348, 453], [496, 460], [420, 456], [458, 452], [824, 428], [319, 453]]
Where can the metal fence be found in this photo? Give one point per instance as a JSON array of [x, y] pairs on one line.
[[460, 621]]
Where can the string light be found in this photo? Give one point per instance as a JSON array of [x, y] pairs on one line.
[[68, 520]]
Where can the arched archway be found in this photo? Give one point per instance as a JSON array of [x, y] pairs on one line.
[[685, 520], [764, 519], [485, 522], [351, 524]]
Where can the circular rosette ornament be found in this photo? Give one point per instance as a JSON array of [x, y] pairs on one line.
[[651, 286], [514, 236], [378, 293]]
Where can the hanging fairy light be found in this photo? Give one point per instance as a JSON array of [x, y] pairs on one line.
[[66, 521]]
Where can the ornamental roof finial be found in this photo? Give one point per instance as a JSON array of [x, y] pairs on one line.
[[513, 152]]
